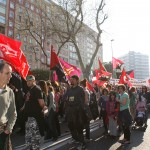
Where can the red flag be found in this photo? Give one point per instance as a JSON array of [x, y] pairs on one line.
[[102, 68], [94, 80], [98, 82], [102, 83], [123, 77], [56, 65], [105, 73], [10, 52], [55, 77], [102, 74], [30, 72], [69, 69], [98, 73], [117, 63], [131, 74], [89, 86]]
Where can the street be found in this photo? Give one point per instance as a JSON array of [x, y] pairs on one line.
[[139, 141]]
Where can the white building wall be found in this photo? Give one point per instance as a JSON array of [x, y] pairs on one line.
[[138, 62]]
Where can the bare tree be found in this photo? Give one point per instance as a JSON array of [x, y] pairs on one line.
[[64, 23]]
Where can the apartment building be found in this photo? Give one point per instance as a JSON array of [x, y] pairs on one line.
[[17, 16], [138, 62]]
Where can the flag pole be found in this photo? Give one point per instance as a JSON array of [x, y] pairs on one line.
[[112, 56]]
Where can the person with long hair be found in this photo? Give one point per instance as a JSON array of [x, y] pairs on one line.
[[112, 108], [57, 101], [125, 116], [103, 114], [44, 89], [132, 106], [143, 96], [52, 114]]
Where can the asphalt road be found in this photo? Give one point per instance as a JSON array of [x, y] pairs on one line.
[[140, 140]]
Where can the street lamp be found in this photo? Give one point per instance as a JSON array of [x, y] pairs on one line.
[[112, 55]]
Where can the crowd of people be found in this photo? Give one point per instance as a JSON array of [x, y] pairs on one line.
[[37, 105]]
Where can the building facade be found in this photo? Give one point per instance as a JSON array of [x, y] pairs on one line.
[[18, 15], [138, 62]]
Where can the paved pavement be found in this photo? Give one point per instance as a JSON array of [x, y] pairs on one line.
[[18, 139], [139, 140]]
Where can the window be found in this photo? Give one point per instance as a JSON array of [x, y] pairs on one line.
[[2, 10], [30, 41], [10, 33], [19, 26], [27, 5], [2, 30], [2, 19], [11, 14], [19, 18], [18, 36], [31, 48], [37, 18], [37, 50], [21, 1], [72, 61], [37, 10], [32, 7], [48, 9], [25, 47], [12, 5], [11, 24], [3, 1], [20, 10], [25, 39]]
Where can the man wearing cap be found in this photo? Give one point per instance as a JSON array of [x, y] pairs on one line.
[[33, 109], [75, 110], [8, 113]]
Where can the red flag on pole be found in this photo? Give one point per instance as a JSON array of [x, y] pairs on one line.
[[131, 74], [56, 65], [123, 77], [102, 68], [105, 73], [89, 86], [69, 69], [55, 77], [10, 52], [98, 73], [117, 63]]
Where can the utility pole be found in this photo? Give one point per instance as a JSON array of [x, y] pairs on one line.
[[112, 56]]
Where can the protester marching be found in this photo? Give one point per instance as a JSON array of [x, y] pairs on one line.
[[35, 106]]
